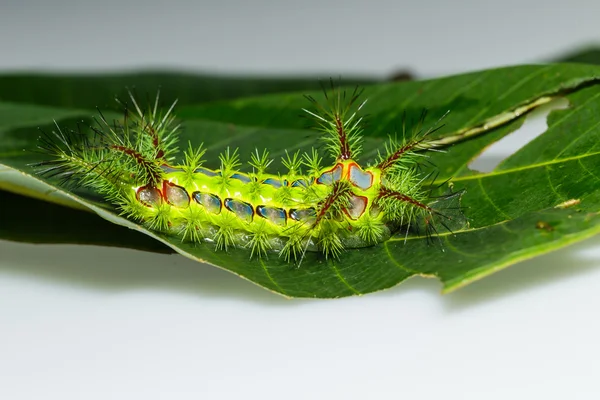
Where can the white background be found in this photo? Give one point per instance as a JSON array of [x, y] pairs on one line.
[[83, 322]]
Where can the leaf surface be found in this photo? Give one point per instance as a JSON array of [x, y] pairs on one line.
[[512, 210]]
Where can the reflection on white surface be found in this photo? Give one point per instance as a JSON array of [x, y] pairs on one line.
[[94, 323]]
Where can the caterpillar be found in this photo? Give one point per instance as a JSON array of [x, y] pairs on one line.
[[314, 207]]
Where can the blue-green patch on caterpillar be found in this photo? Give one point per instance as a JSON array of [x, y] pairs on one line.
[[314, 207]]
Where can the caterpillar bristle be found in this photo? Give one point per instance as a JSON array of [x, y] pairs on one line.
[[230, 162], [225, 235], [329, 241], [370, 230], [259, 243], [338, 120], [293, 249], [260, 162], [160, 219], [293, 163], [313, 161], [327, 209], [404, 152]]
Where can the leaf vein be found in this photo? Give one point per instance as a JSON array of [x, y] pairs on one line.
[[584, 133], [341, 279], [264, 267], [489, 199], [552, 187], [518, 169], [395, 262], [586, 169], [455, 250]]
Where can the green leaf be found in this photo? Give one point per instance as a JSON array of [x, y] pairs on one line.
[[83, 91], [512, 210], [586, 55]]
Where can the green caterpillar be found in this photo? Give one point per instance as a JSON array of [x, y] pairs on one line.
[[313, 207]]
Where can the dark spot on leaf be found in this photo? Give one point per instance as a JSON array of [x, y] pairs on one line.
[[544, 226]]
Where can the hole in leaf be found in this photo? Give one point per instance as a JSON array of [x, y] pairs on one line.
[[534, 125]]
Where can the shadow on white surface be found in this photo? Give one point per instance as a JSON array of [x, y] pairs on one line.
[[116, 270], [553, 268]]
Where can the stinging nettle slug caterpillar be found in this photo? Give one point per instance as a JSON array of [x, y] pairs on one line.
[[314, 207]]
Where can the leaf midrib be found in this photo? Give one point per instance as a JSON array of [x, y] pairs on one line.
[[518, 169]]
